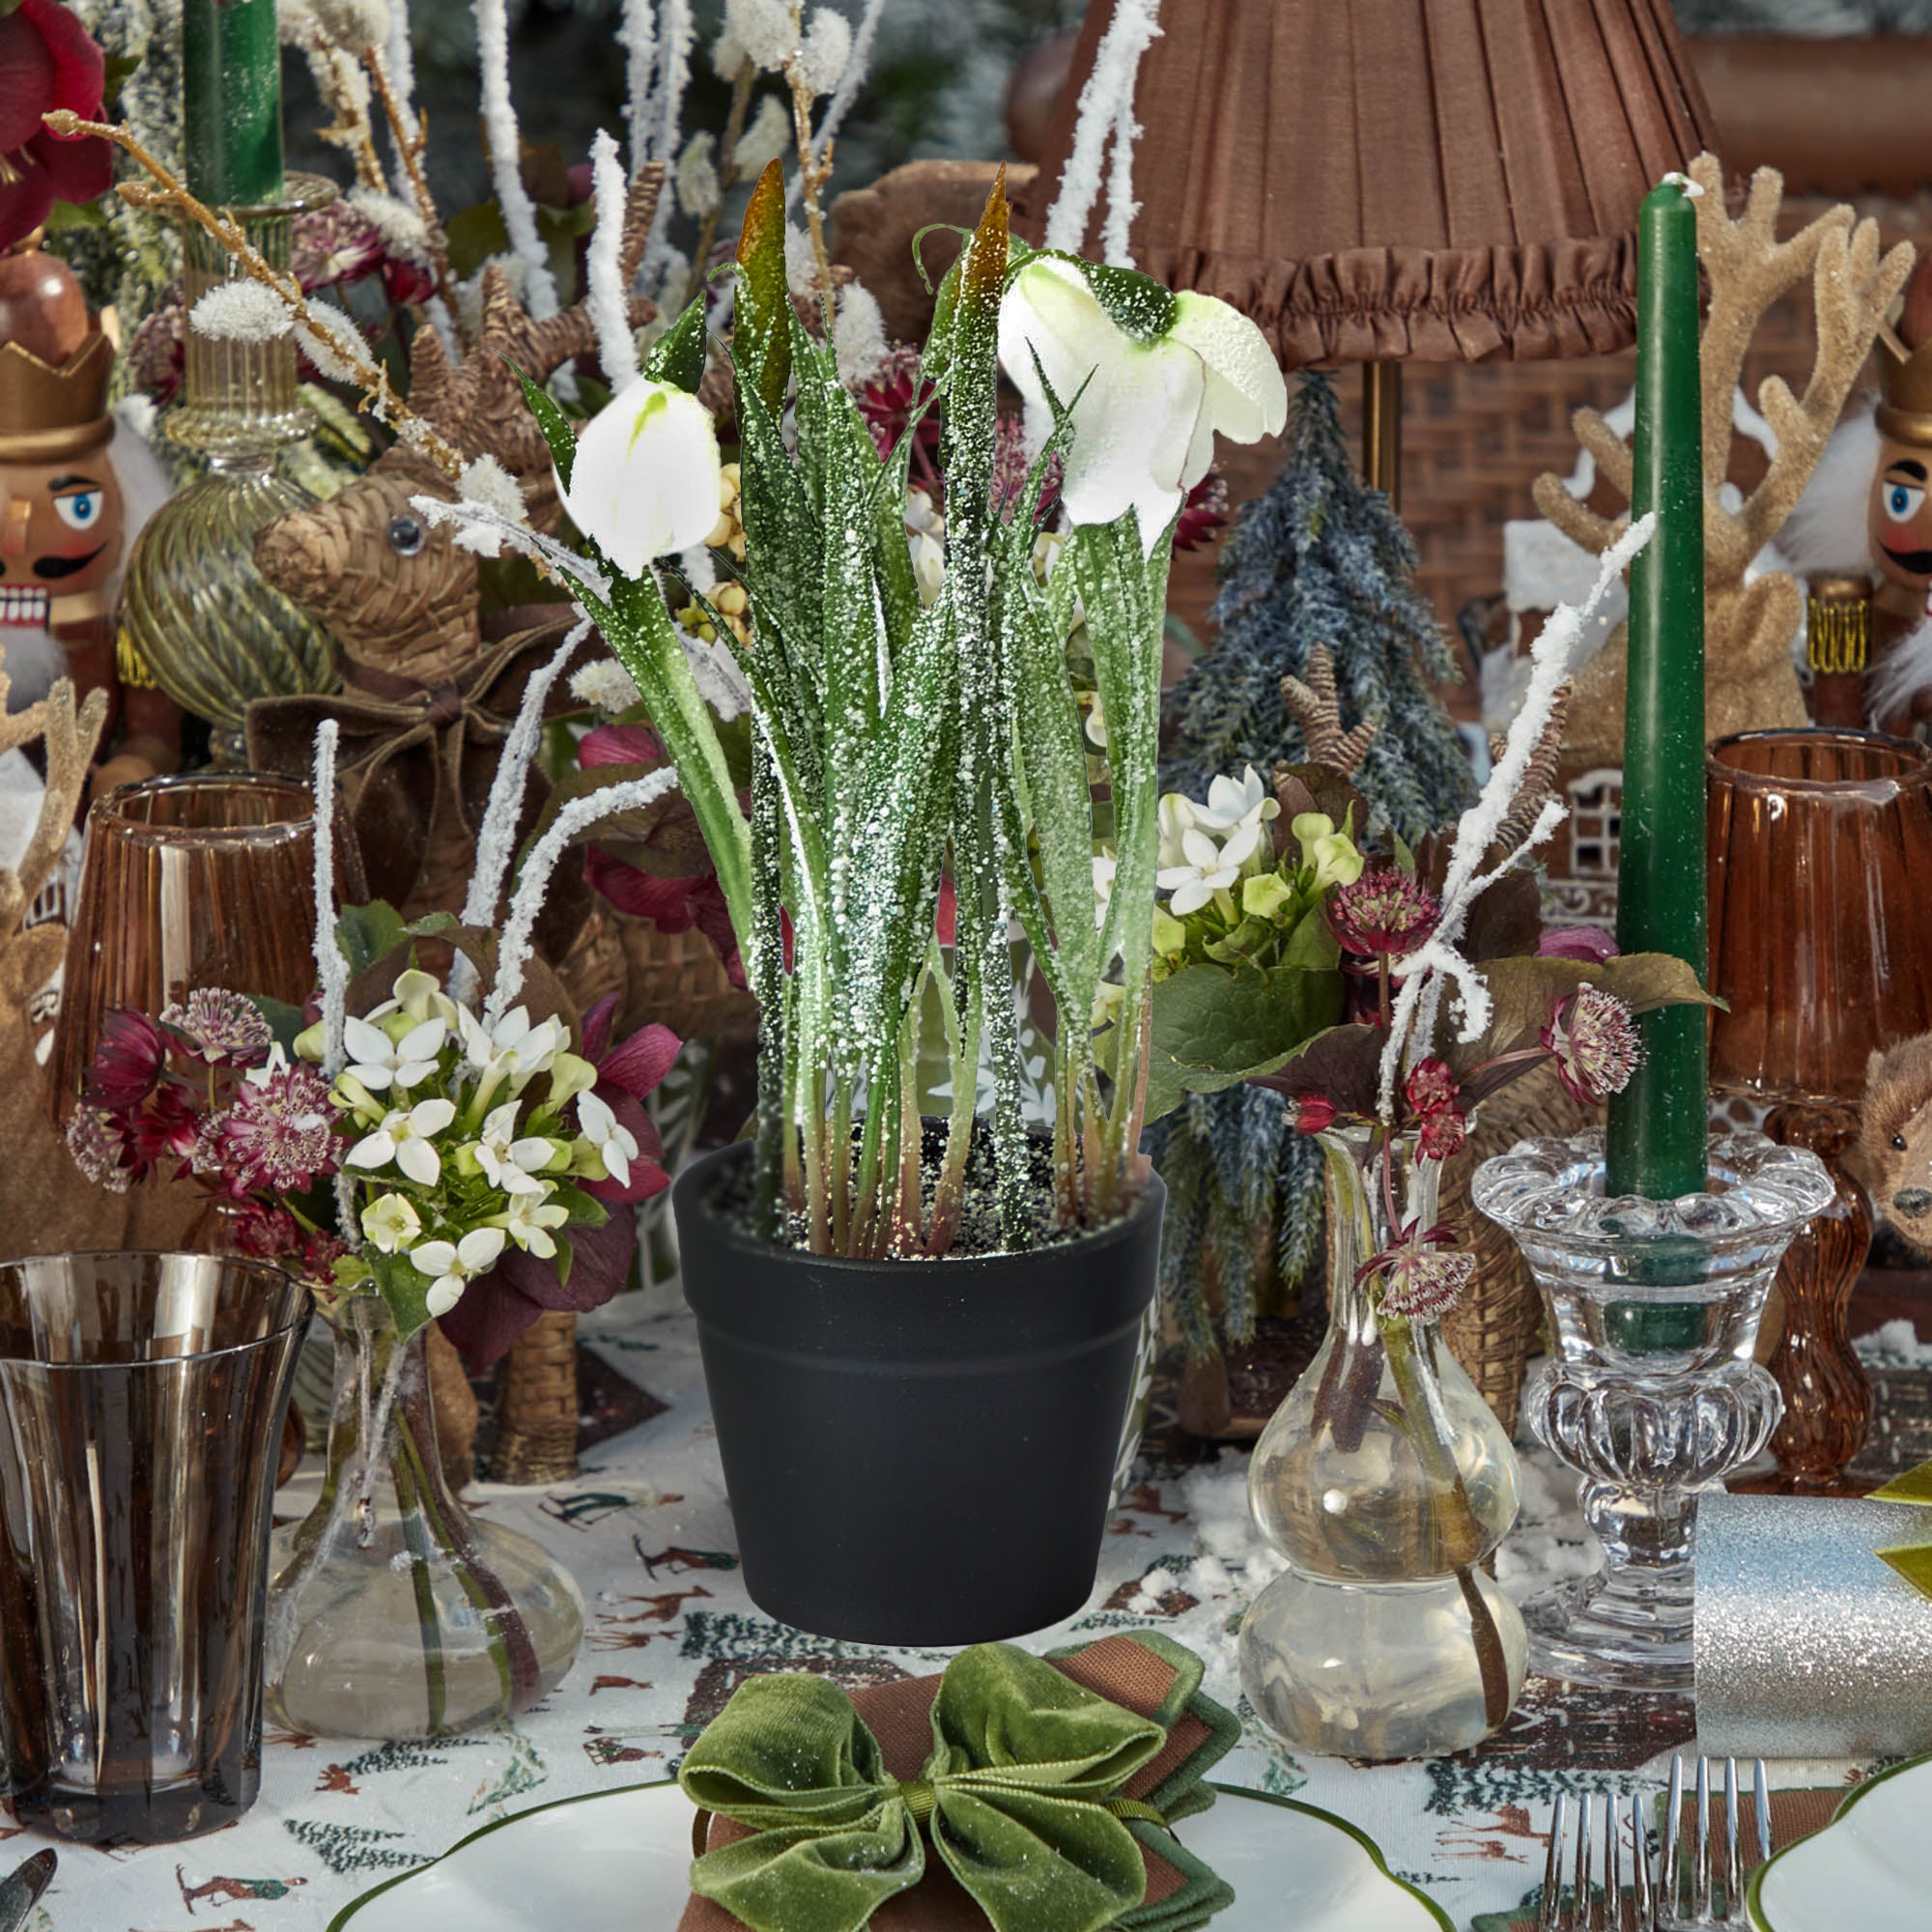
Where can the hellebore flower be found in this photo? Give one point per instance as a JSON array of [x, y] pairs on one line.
[[645, 479], [48, 61], [1162, 374]]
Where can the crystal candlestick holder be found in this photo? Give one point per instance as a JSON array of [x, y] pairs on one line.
[[1653, 1395]]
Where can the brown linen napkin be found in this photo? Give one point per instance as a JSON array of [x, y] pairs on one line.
[[901, 1717], [1793, 1815]]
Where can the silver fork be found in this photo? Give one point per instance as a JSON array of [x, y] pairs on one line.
[[1611, 1909], [1692, 1867]]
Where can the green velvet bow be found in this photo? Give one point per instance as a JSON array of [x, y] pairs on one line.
[[1019, 1795]]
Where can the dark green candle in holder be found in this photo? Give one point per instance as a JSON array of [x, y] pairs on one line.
[[231, 101], [1660, 1123]]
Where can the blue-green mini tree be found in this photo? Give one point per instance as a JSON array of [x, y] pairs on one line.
[[1319, 558]]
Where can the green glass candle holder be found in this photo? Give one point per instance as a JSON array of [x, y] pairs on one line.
[[197, 618]]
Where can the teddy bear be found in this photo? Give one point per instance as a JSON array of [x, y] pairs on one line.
[[1894, 1157]]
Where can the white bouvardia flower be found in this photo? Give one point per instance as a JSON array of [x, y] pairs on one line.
[[1163, 374], [241, 312], [645, 479]]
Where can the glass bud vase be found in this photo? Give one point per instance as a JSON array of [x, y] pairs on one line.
[[393, 1613], [196, 616], [1385, 1480]]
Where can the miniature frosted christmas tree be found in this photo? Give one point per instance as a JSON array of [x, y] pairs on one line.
[[1319, 558]]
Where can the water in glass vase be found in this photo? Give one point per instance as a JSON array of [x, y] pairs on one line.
[[392, 1613], [1385, 1480]]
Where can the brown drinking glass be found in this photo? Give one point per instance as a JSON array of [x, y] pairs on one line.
[[141, 1400], [207, 880], [1820, 848]]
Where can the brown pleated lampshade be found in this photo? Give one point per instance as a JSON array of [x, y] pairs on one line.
[[1441, 181], [1820, 849]]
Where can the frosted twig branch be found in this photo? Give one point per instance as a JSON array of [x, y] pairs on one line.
[[662, 129], [507, 160], [513, 952], [847, 90], [610, 309], [485, 526], [330, 964], [1437, 964], [1106, 108], [496, 840], [638, 36]]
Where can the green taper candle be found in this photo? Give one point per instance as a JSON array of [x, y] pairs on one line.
[[1660, 1123], [231, 101]]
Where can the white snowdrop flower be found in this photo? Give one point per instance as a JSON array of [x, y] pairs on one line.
[[801, 264], [763, 29], [381, 1062], [928, 565], [1163, 373], [826, 47], [528, 1223], [922, 513], [1205, 869], [391, 1223], [698, 190], [858, 333], [512, 1161], [1175, 817], [606, 686], [353, 23], [241, 312], [409, 1140], [768, 135], [452, 1266], [1094, 723], [645, 479], [403, 230], [1105, 870], [1231, 801], [616, 1145]]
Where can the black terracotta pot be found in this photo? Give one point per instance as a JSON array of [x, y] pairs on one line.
[[917, 1452]]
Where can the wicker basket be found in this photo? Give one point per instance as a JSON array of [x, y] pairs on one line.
[[678, 978], [1494, 1329]]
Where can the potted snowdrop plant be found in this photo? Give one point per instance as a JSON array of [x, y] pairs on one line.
[[919, 1315]]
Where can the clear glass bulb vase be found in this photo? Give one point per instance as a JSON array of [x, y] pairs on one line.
[[1385, 1480], [392, 1613], [1652, 1395]]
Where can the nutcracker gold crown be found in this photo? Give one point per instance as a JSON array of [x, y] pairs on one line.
[[1905, 398], [48, 411]]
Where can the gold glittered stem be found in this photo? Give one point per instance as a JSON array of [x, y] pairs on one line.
[[410, 149]]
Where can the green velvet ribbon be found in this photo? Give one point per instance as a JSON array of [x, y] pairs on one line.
[[1912, 1560], [1020, 1796]]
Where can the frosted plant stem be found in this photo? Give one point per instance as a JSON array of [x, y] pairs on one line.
[[727, 177], [506, 159]]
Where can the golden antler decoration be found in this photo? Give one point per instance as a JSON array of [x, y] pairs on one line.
[[1750, 683]]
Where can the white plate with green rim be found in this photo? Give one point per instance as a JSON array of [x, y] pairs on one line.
[[1870, 1867], [618, 1861]]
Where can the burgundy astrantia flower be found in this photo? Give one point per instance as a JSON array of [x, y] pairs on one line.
[[1430, 1085], [1382, 915], [98, 1141], [223, 1027], [48, 61], [888, 400], [164, 1128], [278, 1134], [128, 1060], [1204, 512], [319, 1252], [1596, 1045], [266, 1232], [1423, 1284], [1440, 1133]]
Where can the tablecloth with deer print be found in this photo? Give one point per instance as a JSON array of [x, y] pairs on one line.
[[646, 1529]]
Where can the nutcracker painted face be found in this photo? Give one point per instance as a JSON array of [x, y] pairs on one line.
[[61, 532], [1900, 522]]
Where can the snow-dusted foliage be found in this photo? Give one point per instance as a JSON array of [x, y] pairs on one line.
[[505, 145], [1106, 116]]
